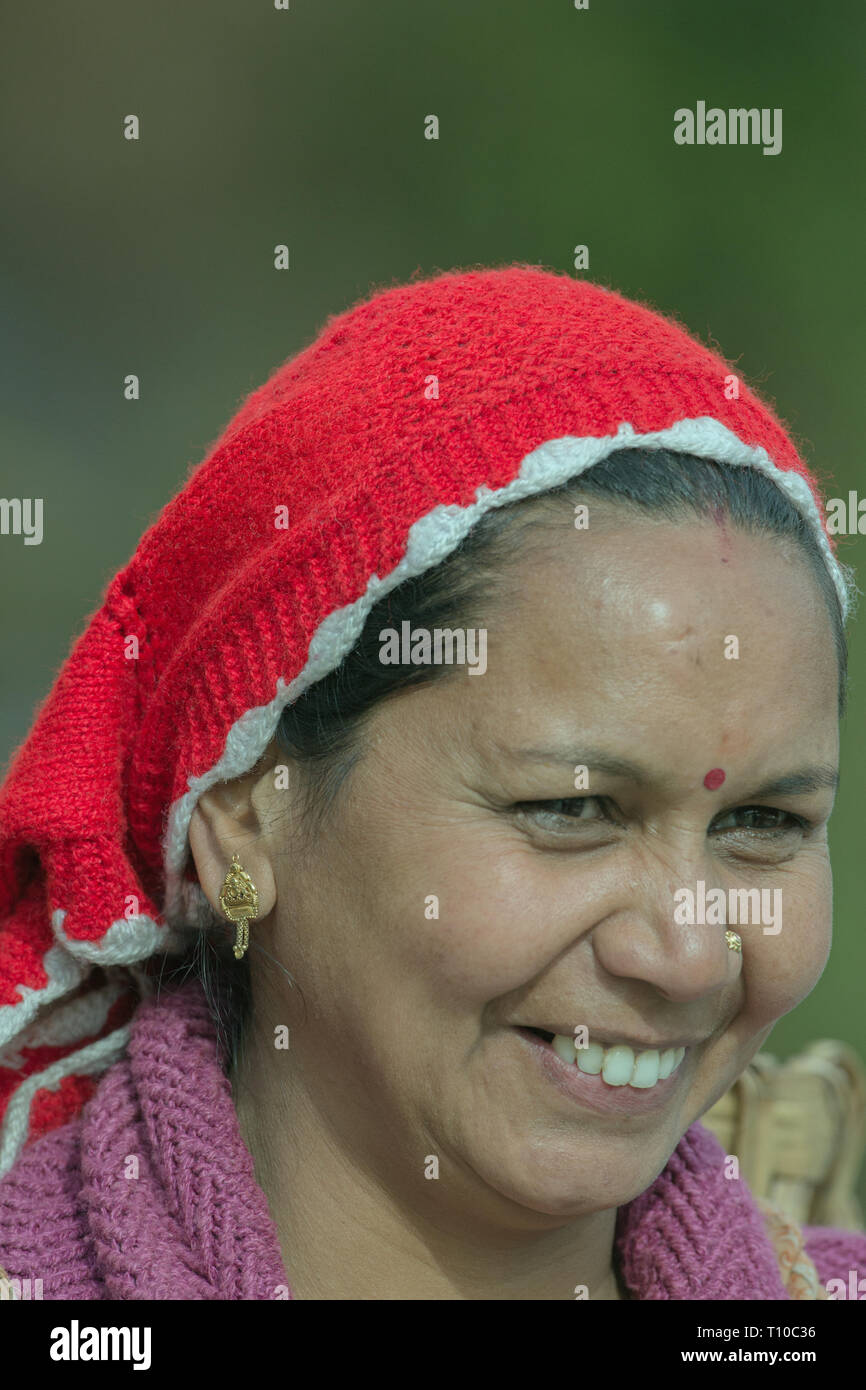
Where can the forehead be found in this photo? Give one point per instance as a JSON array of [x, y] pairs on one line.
[[649, 619]]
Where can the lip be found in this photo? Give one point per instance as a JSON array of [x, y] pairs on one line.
[[593, 1092], [611, 1039]]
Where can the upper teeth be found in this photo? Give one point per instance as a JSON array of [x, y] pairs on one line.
[[620, 1065]]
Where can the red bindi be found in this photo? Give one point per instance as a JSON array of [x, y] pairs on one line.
[[714, 779]]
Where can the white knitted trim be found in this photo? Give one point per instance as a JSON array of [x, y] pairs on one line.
[[64, 974], [67, 965], [128, 940], [81, 1017], [430, 540], [85, 1062]]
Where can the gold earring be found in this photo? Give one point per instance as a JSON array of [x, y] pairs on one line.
[[239, 901], [734, 940]]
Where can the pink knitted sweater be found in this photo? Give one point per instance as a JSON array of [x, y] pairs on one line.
[[150, 1194]]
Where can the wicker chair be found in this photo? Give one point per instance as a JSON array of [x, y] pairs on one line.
[[798, 1128]]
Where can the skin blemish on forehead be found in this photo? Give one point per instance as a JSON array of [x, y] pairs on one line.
[[714, 778]]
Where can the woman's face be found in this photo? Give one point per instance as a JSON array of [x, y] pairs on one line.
[[443, 905]]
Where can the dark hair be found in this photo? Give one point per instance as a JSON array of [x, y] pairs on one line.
[[323, 730]]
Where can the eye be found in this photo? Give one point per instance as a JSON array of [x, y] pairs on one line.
[[564, 811], [762, 820]]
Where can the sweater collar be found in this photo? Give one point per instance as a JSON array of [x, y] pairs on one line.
[[172, 1203], [174, 1210], [696, 1233]]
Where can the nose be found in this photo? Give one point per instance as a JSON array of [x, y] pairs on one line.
[[641, 940]]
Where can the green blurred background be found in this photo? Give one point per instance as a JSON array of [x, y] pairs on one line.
[[306, 126]]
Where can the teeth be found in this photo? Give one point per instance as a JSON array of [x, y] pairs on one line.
[[619, 1065], [646, 1070], [667, 1062], [590, 1059]]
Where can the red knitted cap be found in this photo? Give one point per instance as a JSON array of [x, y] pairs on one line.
[[362, 461]]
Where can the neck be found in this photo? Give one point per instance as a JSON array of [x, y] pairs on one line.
[[348, 1231]]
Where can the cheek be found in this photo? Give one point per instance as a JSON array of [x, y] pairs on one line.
[[502, 918], [781, 970]]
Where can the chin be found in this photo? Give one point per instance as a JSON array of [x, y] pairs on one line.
[[583, 1181]]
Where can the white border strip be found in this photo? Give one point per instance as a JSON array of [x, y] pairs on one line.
[[64, 974], [67, 964], [85, 1062], [83, 1016]]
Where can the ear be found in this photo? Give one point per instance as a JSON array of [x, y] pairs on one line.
[[227, 820]]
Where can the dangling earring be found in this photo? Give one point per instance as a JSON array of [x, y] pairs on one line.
[[239, 901], [734, 940]]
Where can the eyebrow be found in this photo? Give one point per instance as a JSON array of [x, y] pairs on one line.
[[799, 783]]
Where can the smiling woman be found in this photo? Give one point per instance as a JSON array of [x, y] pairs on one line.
[[455, 1039]]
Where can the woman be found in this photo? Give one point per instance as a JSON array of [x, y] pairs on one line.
[[350, 872]]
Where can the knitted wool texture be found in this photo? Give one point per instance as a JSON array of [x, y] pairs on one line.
[[193, 1223], [362, 461]]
